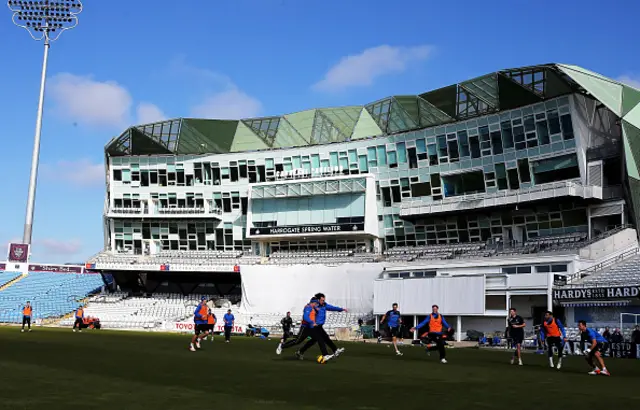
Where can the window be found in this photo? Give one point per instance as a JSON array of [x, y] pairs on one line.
[[117, 175]]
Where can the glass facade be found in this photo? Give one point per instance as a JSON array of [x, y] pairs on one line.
[[504, 152]]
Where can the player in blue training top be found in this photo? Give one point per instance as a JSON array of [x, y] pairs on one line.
[[597, 348], [394, 320]]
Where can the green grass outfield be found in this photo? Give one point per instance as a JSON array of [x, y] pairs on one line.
[[57, 369]]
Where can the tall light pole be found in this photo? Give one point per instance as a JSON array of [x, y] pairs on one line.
[[44, 20]]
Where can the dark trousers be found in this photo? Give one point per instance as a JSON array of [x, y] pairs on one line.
[[303, 334], [26, 320], [322, 337], [79, 323], [227, 332], [286, 333], [554, 341], [439, 341]]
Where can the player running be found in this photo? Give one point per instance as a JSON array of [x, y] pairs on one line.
[[555, 335], [200, 321], [394, 321], [211, 323], [598, 346], [516, 334], [229, 320], [321, 317], [307, 330], [79, 319], [436, 324], [27, 311]]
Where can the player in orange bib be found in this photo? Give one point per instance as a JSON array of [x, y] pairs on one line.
[[27, 311], [437, 326], [211, 323]]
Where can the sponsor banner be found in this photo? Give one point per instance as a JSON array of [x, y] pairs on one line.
[[602, 293], [55, 268], [308, 229], [18, 252], [616, 350], [186, 327], [3, 266]]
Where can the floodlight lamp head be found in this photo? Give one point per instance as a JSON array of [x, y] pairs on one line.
[[45, 19]]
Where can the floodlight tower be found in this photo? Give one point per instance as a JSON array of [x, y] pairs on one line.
[[44, 20]]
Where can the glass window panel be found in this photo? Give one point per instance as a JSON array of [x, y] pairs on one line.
[[333, 159], [507, 134], [567, 127], [402, 152], [353, 156], [392, 158], [382, 155], [421, 146], [554, 122], [315, 161], [543, 132], [371, 153], [362, 160]]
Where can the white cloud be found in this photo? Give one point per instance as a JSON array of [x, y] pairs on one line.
[[230, 104], [363, 69], [87, 101], [82, 172], [59, 247], [632, 80], [220, 97], [148, 113]]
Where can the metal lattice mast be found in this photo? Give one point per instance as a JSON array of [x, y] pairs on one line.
[[44, 20]]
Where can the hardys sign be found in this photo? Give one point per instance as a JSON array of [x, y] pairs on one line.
[[307, 229], [604, 293], [619, 350]]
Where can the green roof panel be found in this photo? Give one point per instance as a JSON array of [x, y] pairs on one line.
[[485, 88], [631, 140], [630, 99], [246, 140], [366, 127], [345, 118], [288, 136], [607, 91], [302, 122]]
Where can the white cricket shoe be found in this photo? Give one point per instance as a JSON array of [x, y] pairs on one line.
[[398, 353], [338, 352], [559, 366], [197, 344], [512, 361], [193, 349], [594, 372], [519, 362], [328, 357], [279, 349], [443, 361], [551, 363]]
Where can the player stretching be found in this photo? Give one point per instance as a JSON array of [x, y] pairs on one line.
[[394, 320], [27, 311], [598, 346], [211, 323], [436, 324], [554, 333], [307, 330], [322, 307], [516, 333], [79, 319], [200, 321]]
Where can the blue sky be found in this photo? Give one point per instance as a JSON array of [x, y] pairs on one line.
[[128, 63]]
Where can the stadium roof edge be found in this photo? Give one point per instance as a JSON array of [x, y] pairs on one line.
[[482, 95]]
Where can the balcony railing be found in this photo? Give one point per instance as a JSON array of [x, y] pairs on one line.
[[499, 198]]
